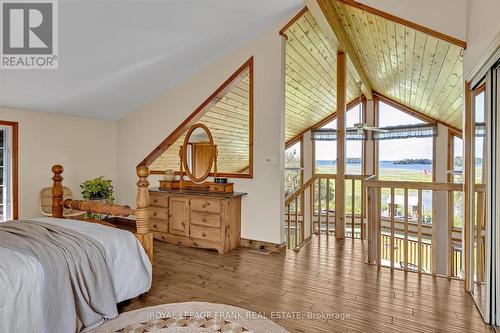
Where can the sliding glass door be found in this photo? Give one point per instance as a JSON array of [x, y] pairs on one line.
[[479, 169]]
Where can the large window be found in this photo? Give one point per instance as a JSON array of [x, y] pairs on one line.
[[325, 152], [293, 168], [408, 159], [405, 153]]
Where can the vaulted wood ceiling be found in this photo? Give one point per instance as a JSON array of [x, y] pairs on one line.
[[311, 76], [411, 67], [229, 123]]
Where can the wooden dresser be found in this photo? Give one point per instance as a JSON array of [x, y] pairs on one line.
[[196, 219]]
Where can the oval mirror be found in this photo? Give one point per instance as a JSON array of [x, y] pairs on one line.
[[198, 153]]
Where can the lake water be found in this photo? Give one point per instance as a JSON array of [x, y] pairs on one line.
[[383, 165], [393, 171]]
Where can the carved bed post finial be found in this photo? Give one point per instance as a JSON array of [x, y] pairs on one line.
[[57, 191], [143, 232]]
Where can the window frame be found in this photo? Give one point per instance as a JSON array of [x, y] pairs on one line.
[[402, 108], [14, 166], [331, 118], [450, 178], [289, 144]]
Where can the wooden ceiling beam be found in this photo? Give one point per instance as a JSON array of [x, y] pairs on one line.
[[329, 20], [291, 22]]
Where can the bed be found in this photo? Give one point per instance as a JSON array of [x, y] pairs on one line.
[[84, 271]]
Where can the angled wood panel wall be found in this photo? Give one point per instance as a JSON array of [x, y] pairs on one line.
[[229, 115], [310, 89]]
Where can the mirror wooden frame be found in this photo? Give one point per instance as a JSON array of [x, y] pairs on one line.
[[184, 157]]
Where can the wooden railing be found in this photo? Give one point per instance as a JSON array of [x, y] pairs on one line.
[[410, 248], [314, 203]]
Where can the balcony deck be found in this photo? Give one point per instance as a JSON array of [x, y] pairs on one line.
[[326, 277]]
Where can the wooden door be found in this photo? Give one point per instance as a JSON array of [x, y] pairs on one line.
[[179, 216]]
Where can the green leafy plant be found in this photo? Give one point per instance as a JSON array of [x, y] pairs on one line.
[[98, 189]]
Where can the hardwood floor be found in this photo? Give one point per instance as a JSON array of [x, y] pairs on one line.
[[326, 279]]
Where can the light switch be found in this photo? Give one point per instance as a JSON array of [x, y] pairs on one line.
[[272, 160]]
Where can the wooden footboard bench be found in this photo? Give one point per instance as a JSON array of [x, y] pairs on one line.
[[141, 212]]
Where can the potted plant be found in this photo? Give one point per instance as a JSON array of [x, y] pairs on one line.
[[98, 189]]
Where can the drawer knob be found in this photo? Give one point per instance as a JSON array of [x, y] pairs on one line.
[[204, 220], [204, 234], [155, 200], [155, 213], [154, 225]]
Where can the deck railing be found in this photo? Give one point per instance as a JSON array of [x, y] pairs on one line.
[[398, 237], [314, 203]]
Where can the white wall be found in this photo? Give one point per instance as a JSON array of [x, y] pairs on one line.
[[85, 147], [445, 16], [483, 25], [140, 132]]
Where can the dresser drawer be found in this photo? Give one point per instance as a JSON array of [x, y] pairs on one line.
[[159, 213], [158, 200], [158, 225], [206, 205], [211, 234], [208, 220]]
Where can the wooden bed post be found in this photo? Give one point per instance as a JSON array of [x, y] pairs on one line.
[[142, 215], [57, 191]]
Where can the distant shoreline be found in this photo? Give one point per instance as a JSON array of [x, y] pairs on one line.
[[330, 162]]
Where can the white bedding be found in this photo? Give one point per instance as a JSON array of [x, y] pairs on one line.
[[21, 276]]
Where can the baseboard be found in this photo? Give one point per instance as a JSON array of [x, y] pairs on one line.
[[254, 244], [248, 243]]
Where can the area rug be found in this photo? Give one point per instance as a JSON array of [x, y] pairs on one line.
[[191, 317]]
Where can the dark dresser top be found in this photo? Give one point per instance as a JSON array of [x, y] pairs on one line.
[[199, 193]]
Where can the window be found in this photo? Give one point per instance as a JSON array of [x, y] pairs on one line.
[[293, 168], [8, 171], [457, 177], [405, 154], [325, 152], [408, 159], [480, 143]]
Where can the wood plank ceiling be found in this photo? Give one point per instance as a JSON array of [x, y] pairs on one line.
[[311, 69], [229, 123], [413, 68]]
